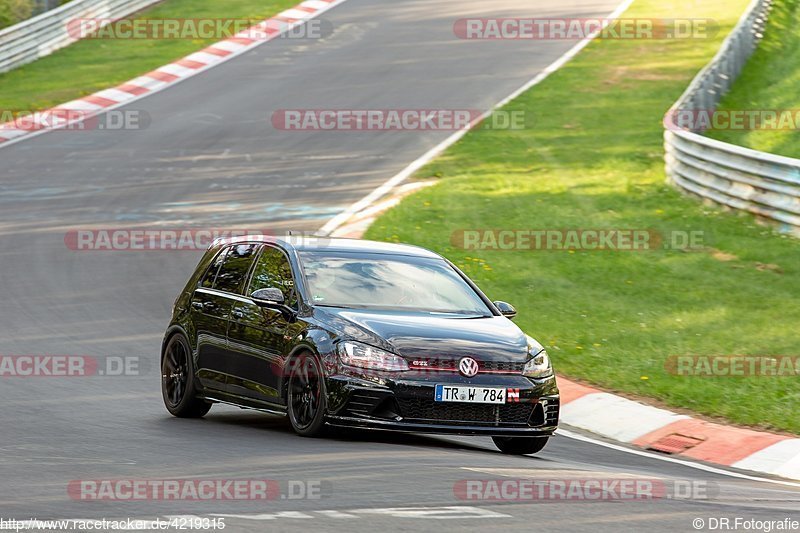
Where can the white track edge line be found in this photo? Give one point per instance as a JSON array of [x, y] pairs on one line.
[[682, 462], [404, 174]]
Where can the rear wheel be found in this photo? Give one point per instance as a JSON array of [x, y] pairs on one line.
[[520, 445], [178, 380], [306, 396]]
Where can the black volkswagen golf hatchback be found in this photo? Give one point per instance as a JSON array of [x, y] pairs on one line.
[[354, 333]]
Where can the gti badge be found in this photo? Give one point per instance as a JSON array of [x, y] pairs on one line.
[[468, 367]]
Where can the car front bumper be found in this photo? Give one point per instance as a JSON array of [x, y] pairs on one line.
[[406, 403]]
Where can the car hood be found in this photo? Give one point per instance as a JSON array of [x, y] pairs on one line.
[[422, 335]]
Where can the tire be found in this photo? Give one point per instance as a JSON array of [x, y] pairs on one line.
[[306, 396], [520, 445], [178, 382]]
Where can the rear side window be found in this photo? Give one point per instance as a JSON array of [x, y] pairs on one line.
[[235, 267], [208, 280]]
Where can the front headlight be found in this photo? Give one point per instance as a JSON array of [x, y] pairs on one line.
[[366, 356], [538, 366]]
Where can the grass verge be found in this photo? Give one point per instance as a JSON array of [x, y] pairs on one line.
[[770, 81], [92, 65], [595, 160]]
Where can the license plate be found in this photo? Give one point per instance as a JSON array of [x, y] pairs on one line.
[[459, 393]]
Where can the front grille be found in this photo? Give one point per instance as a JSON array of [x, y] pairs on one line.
[[508, 366], [483, 366], [429, 410]]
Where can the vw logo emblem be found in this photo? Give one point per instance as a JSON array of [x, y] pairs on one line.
[[468, 367]]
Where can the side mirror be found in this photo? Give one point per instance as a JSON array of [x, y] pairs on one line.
[[270, 295], [506, 309], [272, 298]]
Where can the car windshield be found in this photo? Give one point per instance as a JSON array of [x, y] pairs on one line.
[[390, 282]]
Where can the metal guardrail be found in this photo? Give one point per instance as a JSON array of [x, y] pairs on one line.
[[764, 184], [43, 34]]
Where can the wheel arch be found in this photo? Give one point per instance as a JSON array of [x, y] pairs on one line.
[[175, 329]]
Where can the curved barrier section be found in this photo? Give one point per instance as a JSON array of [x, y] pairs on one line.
[[764, 184], [43, 34]]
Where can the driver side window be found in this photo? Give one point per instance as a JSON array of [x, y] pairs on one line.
[[273, 270]]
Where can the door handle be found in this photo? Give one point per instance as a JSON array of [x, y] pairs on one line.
[[237, 314], [197, 305]]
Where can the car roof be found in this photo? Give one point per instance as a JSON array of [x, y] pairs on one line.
[[309, 242]]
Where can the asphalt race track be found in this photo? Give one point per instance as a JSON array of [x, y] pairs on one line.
[[211, 158]]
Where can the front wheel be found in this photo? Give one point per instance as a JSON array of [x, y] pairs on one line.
[[520, 445], [178, 381], [306, 396]]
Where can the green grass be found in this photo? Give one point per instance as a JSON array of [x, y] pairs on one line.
[[91, 65], [770, 80], [594, 159]]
